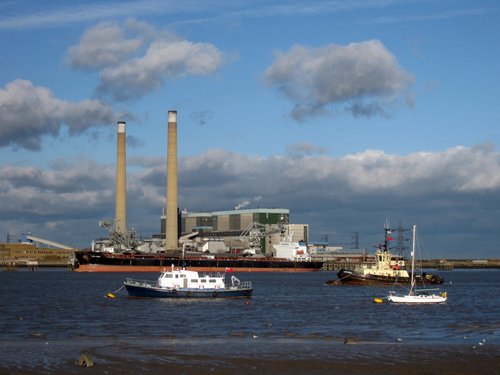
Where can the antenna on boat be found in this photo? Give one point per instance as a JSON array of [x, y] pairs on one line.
[[183, 253], [387, 235]]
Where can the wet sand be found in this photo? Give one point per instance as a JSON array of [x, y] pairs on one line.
[[265, 358]]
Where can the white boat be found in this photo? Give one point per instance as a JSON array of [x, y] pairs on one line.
[[415, 295], [181, 283]]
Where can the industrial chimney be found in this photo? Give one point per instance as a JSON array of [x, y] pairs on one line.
[[171, 243], [121, 193]]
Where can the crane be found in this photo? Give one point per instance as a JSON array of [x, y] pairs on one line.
[[255, 232]]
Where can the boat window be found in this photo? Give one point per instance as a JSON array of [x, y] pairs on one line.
[[211, 281], [194, 280], [183, 276], [203, 280], [169, 275]]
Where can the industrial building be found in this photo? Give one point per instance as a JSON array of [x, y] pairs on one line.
[[235, 228], [29, 252]]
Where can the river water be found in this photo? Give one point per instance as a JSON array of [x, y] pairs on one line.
[[294, 323]]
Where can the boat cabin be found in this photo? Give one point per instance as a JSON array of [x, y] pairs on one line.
[[182, 278], [386, 265]]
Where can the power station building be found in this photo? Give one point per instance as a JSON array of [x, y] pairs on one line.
[[232, 226], [231, 221]]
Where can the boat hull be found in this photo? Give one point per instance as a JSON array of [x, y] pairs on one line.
[[417, 299], [101, 262], [352, 278], [142, 291]]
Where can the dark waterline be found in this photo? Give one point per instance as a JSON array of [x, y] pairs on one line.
[[294, 322]]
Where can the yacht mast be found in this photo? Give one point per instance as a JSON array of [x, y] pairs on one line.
[[412, 285]]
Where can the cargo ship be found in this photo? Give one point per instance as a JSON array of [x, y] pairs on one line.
[[91, 261], [109, 255]]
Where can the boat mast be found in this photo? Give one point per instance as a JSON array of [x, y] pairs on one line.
[[387, 236], [412, 284]]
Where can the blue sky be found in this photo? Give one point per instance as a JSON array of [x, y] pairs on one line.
[[346, 112]]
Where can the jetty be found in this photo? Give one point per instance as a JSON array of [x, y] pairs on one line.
[[333, 264], [449, 264]]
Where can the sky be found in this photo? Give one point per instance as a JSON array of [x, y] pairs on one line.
[[348, 113]]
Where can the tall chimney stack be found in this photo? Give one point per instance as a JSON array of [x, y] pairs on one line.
[[171, 243], [121, 183]]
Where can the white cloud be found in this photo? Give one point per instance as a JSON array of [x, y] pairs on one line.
[[137, 77], [30, 112], [54, 14], [443, 15], [107, 44], [362, 78], [129, 72]]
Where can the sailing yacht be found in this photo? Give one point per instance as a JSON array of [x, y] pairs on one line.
[[415, 295]]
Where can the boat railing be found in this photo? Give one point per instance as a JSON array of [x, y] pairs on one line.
[[129, 280], [425, 290], [211, 274], [242, 285]]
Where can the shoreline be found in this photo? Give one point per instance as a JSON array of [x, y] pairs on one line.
[[447, 264]]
